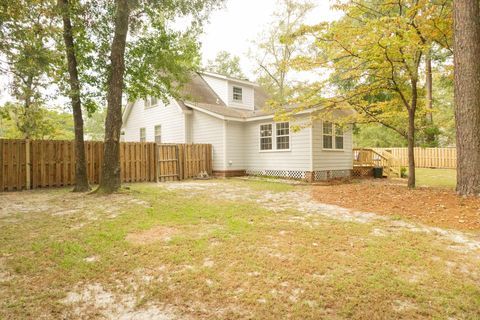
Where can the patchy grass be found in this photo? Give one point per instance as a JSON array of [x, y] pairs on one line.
[[262, 185], [203, 257], [439, 178]]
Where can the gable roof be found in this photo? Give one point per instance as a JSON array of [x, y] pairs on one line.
[[197, 94]]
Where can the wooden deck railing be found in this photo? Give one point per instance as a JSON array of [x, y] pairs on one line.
[[370, 158]]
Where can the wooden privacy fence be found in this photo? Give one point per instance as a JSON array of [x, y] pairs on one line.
[[183, 161], [425, 157], [31, 164]]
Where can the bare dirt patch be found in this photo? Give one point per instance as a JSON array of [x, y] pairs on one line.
[[158, 233], [60, 202], [434, 207], [94, 298]]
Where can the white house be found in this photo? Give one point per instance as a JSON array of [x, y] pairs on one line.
[[228, 113]]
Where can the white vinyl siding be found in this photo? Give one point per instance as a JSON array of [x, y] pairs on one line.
[[142, 137], [170, 117], [207, 129], [297, 158], [219, 86], [331, 159], [235, 146]]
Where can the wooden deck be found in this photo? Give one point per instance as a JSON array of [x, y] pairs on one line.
[[365, 159]]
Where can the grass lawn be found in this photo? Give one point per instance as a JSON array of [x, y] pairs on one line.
[[443, 178], [203, 252]]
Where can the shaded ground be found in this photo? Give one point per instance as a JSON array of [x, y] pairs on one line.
[[434, 207], [226, 250]]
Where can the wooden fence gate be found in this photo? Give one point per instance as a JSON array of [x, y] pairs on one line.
[[183, 161], [26, 164]]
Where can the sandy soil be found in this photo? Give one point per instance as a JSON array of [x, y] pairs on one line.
[[328, 201], [433, 207]]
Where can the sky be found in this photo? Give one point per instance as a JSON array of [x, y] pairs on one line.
[[233, 29], [241, 21]]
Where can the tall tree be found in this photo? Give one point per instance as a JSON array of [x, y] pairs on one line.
[[81, 178], [111, 164], [50, 123], [26, 33], [374, 52], [275, 49], [226, 64], [160, 59], [467, 94]]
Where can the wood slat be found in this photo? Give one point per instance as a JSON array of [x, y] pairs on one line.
[[52, 163]]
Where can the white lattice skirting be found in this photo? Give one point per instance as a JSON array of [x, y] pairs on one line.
[[288, 174], [323, 175]]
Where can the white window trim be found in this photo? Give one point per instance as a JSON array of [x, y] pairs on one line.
[[259, 132], [150, 105], [155, 133], [274, 138], [333, 148], [140, 134], [233, 94]]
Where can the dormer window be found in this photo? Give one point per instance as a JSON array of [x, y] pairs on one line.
[[237, 94], [150, 102]]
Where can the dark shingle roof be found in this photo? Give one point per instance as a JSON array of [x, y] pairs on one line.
[[198, 93]]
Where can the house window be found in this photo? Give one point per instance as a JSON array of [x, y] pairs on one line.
[[158, 134], [327, 135], [338, 137], [266, 137], [283, 135], [143, 135], [150, 102], [332, 136], [237, 94]]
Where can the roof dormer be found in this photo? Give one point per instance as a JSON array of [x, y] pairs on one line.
[[235, 93]]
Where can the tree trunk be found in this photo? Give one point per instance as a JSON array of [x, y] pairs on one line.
[[27, 126], [429, 86], [430, 137], [411, 150], [411, 134], [81, 178], [467, 94], [110, 181]]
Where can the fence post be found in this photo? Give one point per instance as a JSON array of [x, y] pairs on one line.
[[27, 165], [157, 163]]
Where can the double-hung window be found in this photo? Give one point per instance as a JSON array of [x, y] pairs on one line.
[[332, 136], [237, 94], [327, 135], [143, 135], [266, 137], [275, 136], [338, 137], [283, 135], [150, 102], [158, 134]]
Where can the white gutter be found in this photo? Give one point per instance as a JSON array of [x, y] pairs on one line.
[[241, 119]]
